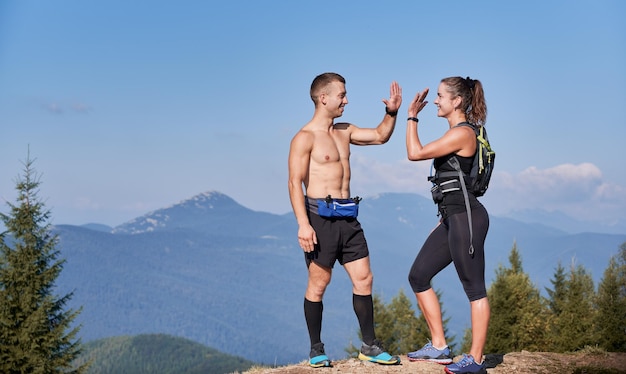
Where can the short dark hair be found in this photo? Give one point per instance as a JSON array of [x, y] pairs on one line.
[[321, 82]]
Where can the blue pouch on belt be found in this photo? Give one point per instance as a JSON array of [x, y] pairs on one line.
[[330, 207]]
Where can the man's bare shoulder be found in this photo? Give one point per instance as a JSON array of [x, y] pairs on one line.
[[343, 126], [343, 130], [303, 137], [305, 132], [309, 130]]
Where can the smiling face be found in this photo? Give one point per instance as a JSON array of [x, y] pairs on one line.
[[334, 98], [445, 102]]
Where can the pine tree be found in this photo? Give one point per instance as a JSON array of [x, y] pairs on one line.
[[557, 293], [610, 319], [555, 301], [572, 328], [34, 324], [518, 314]]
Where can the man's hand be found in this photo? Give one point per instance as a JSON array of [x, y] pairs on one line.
[[395, 97], [307, 238]]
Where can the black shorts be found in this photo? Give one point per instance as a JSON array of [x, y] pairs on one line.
[[338, 239]]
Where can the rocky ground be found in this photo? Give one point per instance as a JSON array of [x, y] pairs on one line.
[[517, 362]]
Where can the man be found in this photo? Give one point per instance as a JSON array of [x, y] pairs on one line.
[[328, 231]]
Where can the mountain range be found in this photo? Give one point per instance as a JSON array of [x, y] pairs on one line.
[[213, 271]]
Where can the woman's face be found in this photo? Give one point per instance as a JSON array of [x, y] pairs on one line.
[[445, 102]]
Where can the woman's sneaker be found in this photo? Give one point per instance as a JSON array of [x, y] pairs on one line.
[[318, 358], [430, 353], [376, 353], [466, 365]]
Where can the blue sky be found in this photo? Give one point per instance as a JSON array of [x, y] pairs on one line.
[[132, 106]]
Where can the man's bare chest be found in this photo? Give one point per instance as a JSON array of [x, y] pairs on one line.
[[330, 149]]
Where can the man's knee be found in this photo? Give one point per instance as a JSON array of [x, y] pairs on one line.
[[315, 290], [317, 284], [363, 284]]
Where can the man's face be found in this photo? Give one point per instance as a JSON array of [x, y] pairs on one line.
[[335, 99]]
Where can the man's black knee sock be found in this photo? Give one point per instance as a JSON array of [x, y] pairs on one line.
[[313, 316], [364, 309]]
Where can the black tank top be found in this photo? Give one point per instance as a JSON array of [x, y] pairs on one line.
[[454, 202], [441, 163]]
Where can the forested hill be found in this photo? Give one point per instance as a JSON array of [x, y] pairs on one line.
[[157, 353]]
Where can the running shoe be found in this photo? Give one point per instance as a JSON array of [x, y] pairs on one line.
[[318, 358], [432, 354], [466, 365], [376, 353]]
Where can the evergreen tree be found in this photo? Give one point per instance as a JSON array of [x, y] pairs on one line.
[[34, 336], [610, 319], [572, 329], [518, 314], [557, 293], [555, 301]]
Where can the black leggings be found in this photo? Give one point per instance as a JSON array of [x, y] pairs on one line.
[[449, 242]]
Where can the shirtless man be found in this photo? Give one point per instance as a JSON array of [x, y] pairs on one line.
[[328, 231]]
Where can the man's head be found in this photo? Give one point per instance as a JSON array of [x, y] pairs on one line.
[[322, 85], [328, 92]]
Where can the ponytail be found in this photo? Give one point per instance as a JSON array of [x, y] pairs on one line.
[[472, 98]]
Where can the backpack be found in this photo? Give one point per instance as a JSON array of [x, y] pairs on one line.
[[479, 177], [482, 166], [484, 161]]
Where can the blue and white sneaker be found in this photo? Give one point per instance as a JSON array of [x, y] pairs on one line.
[[318, 358], [432, 354], [466, 365], [376, 353]]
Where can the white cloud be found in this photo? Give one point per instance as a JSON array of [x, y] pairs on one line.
[[576, 190], [560, 183]]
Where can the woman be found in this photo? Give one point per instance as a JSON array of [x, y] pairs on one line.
[[460, 101]]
